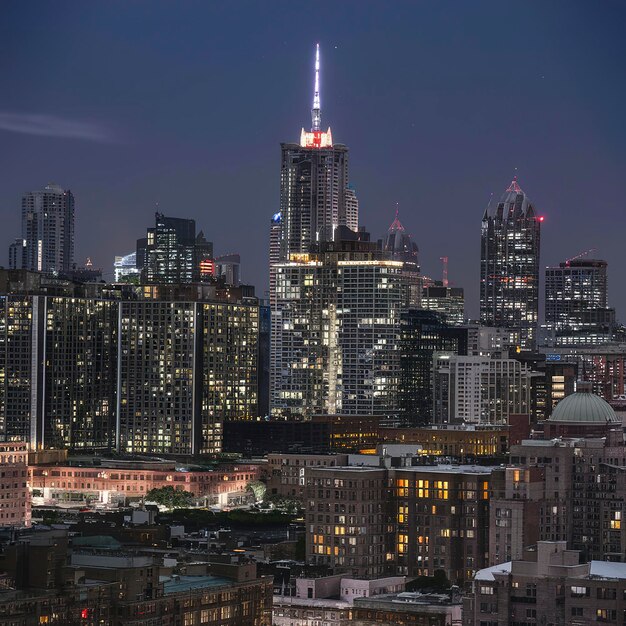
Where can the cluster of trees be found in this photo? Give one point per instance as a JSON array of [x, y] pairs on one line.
[[285, 504], [170, 498]]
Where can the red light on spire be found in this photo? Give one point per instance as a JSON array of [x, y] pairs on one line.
[[541, 218]]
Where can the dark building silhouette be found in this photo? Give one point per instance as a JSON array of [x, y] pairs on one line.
[[174, 254], [422, 333], [47, 241]]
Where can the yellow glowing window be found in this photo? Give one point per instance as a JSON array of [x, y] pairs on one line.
[[485, 491], [422, 489]]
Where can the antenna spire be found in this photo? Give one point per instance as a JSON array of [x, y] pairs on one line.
[[316, 111]]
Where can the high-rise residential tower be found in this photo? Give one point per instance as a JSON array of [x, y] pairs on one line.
[[316, 203], [577, 311], [509, 264], [47, 242], [336, 326], [150, 371]]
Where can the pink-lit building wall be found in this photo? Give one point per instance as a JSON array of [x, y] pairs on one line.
[[14, 494]]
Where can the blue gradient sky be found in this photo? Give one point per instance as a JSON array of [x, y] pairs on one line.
[[185, 104]]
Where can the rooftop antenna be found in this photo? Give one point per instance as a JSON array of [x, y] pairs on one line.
[[444, 261], [316, 111]]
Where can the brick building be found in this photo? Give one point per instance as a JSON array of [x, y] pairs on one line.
[[14, 495], [550, 585], [376, 521], [118, 481], [569, 486]]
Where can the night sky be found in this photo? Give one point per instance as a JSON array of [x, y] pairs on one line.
[[184, 104]]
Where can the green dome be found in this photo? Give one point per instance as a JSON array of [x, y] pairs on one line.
[[586, 408]]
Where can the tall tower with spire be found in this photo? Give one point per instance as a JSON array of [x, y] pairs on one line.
[[509, 265], [314, 195], [315, 200]]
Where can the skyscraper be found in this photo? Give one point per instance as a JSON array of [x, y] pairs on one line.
[[336, 328], [577, 311], [509, 265], [174, 254], [314, 193], [316, 203], [449, 301], [423, 333], [47, 243]]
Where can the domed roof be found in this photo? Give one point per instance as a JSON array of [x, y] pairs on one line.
[[583, 407]]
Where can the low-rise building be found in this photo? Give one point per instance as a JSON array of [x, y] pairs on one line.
[[286, 471], [568, 486], [548, 586], [113, 482], [289, 611], [410, 608], [96, 581], [457, 441], [328, 600], [14, 495]]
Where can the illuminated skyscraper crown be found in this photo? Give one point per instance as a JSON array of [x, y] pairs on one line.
[[316, 138]]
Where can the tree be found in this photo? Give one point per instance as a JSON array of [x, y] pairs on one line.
[[170, 498], [438, 582], [258, 488]]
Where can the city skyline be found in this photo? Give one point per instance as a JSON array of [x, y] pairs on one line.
[[162, 136]]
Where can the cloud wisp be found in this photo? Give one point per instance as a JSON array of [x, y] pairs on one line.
[[52, 126]]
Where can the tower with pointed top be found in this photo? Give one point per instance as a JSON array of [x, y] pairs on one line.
[[315, 202], [314, 194], [509, 265]]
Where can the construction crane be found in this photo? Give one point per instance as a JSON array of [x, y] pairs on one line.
[[444, 261], [581, 255]]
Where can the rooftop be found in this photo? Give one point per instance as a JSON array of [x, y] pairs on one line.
[[584, 408], [330, 603], [598, 569], [177, 584]]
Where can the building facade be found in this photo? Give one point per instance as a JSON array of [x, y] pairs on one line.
[[174, 254], [568, 486], [602, 365], [548, 585], [47, 242], [577, 310], [15, 502], [315, 201], [479, 390], [121, 482], [404, 520], [336, 329], [509, 262], [448, 301], [148, 371], [423, 333]]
